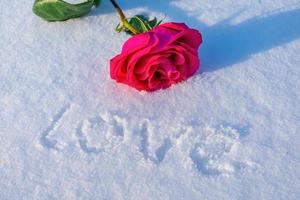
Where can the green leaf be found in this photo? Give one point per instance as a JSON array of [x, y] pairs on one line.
[[153, 22], [58, 10], [158, 23], [97, 2], [140, 23], [119, 28]]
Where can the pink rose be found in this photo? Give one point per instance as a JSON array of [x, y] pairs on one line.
[[159, 58]]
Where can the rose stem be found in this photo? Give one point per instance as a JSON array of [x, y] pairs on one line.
[[123, 18]]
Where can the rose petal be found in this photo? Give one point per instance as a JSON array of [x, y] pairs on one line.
[[177, 57], [134, 57], [189, 37], [136, 43], [192, 63], [118, 67], [168, 69], [174, 75], [175, 26], [159, 58], [155, 81]]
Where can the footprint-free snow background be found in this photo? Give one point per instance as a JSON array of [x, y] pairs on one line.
[[231, 132]]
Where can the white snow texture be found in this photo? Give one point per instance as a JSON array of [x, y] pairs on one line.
[[67, 131]]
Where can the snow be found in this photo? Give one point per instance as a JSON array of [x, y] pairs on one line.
[[68, 131]]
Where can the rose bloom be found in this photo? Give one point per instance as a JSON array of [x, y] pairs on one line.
[[155, 60]]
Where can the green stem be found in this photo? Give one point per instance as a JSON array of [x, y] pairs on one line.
[[123, 18]]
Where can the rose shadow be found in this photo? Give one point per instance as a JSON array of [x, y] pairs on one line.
[[226, 44]]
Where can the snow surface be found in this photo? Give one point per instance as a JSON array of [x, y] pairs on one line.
[[231, 132]]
